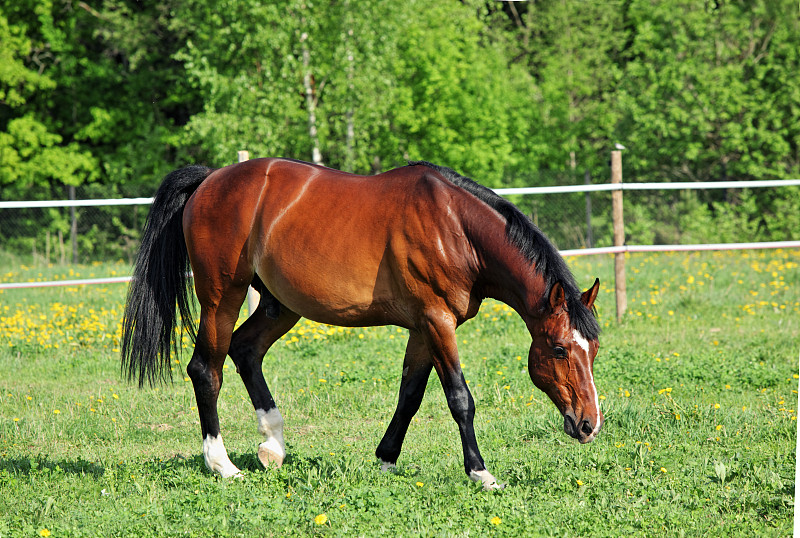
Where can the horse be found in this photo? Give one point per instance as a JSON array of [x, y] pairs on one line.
[[418, 247]]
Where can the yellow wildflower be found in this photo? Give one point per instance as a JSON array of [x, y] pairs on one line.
[[321, 519]]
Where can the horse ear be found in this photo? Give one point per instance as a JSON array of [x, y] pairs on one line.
[[588, 296], [556, 296]]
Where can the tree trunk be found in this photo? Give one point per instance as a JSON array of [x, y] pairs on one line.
[[311, 102]]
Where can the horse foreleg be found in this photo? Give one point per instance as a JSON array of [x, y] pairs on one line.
[[249, 344], [441, 339], [205, 371], [416, 370]]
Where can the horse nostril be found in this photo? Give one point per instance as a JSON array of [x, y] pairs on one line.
[[586, 427]]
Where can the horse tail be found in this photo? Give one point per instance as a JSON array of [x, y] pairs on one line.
[[160, 282]]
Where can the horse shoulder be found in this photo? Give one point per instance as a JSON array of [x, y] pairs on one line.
[[438, 259]]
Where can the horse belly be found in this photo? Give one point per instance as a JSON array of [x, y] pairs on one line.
[[326, 277]]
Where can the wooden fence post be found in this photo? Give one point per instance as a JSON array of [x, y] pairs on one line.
[[73, 226], [619, 235], [587, 180], [252, 295]]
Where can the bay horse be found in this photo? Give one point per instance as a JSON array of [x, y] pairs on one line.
[[418, 247]]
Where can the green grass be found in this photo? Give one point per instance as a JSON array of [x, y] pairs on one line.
[[699, 386]]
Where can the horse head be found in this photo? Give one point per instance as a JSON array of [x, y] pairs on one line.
[[560, 364]]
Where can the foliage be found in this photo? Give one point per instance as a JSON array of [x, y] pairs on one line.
[[707, 92], [113, 94], [699, 438]]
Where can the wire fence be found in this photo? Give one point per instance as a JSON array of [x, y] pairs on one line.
[[574, 217]]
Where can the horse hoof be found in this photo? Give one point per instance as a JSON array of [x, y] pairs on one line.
[[269, 458], [387, 466], [493, 486]]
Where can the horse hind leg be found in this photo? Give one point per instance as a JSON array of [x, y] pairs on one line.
[[205, 370], [250, 343]]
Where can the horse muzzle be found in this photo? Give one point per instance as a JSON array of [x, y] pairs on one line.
[[584, 430]]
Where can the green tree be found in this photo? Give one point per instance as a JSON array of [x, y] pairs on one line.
[[710, 91], [32, 151], [572, 51]]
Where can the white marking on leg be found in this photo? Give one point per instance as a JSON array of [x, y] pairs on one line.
[[217, 457], [387, 466], [270, 425], [485, 478]]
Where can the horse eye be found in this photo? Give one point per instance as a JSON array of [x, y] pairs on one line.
[[560, 352]]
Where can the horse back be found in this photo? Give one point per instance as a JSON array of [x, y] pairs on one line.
[[336, 247]]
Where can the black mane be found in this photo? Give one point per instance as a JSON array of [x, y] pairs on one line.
[[533, 245]]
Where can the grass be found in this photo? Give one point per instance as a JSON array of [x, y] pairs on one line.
[[699, 386]]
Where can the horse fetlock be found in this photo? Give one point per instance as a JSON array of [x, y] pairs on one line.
[[387, 466], [273, 450], [488, 481], [216, 457]]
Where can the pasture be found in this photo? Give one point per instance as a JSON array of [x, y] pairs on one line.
[[698, 384]]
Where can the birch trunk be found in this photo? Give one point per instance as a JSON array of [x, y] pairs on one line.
[[311, 102]]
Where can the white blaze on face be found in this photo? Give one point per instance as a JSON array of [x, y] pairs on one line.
[[580, 340], [217, 457], [584, 344]]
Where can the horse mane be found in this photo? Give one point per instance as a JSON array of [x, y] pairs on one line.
[[533, 245]]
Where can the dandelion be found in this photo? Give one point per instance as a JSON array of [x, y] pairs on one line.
[[321, 519], [420, 484], [56, 412], [44, 532], [719, 427], [16, 419], [495, 520], [716, 406], [579, 482], [663, 470]]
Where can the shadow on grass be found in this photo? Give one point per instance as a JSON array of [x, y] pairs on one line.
[[36, 464]]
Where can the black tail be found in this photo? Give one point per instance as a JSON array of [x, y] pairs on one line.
[[160, 282]]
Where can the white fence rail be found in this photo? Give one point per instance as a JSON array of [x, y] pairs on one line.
[[503, 192], [558, 189]]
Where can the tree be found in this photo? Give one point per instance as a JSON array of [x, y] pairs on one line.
[[572, 51], [32, 151], [710, 90]]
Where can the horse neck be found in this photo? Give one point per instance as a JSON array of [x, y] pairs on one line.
[[505, 274]]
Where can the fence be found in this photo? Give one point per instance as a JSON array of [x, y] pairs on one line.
[[578, 218]]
